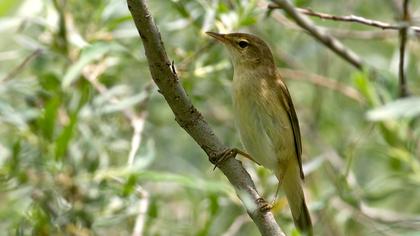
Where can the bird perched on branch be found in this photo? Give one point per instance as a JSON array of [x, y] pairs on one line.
[[266, 118]]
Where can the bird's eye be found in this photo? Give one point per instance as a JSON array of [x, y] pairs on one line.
[[243, 44]]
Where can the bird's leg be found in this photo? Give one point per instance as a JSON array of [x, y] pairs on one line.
[[246, 155], [275, 195], [232, 152], [263, 205]]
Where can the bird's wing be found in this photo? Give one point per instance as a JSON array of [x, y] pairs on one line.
[[286, 98]]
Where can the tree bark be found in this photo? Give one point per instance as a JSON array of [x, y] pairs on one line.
[[191, 120]]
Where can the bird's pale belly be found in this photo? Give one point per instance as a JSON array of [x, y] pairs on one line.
[[265, 130]]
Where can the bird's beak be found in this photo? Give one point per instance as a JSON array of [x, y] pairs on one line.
[[220, 37]]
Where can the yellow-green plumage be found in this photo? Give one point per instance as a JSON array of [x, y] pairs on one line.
[[266, 119]]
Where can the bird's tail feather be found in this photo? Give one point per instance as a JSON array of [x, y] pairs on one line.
[[291, 183]]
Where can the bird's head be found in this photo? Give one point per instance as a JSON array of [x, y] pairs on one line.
[[246, 49]]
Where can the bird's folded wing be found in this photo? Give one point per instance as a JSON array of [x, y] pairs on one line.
[[287, 100]]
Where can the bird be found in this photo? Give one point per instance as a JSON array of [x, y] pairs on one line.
[[266, 118]]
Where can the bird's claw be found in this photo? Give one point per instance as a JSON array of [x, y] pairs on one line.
[[232, 152], [263, 205], [226, 154]]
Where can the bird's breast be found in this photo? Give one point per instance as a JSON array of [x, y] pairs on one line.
[[261, 120]]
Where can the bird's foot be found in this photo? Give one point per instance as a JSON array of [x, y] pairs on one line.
[[229, 153], [263, 205]]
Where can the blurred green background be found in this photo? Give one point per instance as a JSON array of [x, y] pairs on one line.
[[88, 146]]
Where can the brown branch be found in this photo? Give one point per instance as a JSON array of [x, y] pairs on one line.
[[403, 90], [189, 118], [22, 65], [323, 82], [324, 38], [354, 19], [340, 33]]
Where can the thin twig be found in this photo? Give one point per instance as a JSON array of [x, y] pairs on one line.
[[143, 205], [403, 43], [189, 118], [340, 33], [354, 19], [321, 81], [142, 210], [22, 65], [326, 39]]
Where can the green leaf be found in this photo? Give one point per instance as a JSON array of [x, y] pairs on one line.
[[402, 108], [247, 21], [114, 23], [63, 140], [124, 104], [7, 6], [49, 81], [180, 8], [48, 119], [88, 55], [15, 160], [156, 176], [302, 3], [130, 185], [361, 81], [403, 155]]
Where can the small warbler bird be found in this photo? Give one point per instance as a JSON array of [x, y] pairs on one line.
[[266, 118]]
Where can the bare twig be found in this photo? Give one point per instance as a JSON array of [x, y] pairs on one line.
[[339, 32], [326, 39], [142, 210], [323, 82], [403, 43], [354, 19], [189, 118], [143, 205], [22, 65]]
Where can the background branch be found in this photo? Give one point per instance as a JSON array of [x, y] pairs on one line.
[[22, 65], [403, 43], [354, 19], [324, 38], [321, 81], [191, 120], [340, 32]]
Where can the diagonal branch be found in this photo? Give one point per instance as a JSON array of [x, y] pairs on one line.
[[189, 118], [354, 19], [324, 38], [22, 65]]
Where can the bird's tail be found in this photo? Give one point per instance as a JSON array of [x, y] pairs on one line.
[[292, 185]]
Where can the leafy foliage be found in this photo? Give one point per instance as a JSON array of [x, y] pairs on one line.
[[76, 103]]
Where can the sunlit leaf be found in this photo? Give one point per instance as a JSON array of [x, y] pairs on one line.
[[8, 5], [402, 108]]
